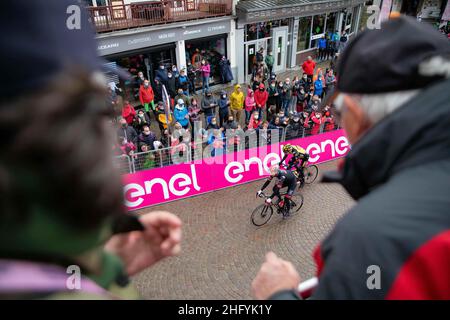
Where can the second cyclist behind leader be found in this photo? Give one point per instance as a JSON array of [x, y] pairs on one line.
[[285, 178], [298, 161]]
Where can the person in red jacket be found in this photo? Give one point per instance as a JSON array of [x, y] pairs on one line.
[[261, 97], [308, 67], [146, 96], [255, 121], [128, 112], [317, 120]]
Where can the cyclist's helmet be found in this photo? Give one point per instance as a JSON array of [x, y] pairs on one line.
[[274, 170], [287, 148]]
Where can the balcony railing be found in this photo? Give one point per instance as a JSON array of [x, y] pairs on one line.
[[119, 17]]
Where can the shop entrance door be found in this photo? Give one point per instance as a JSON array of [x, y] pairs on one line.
[[251, 48], [279, 48]]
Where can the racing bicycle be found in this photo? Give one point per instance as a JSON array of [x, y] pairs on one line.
[[262, 213]]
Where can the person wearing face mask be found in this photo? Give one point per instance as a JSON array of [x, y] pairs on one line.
[[205, 70], [317, 120], [225, 70], [181, 114], [237, 102], [146, 137], [213, 125], [209, 104], [194, 112], [192, 77], [328, 120], [162, 119], [304, 81], [301, 99], [171, 85], [175, 71], [294, 95], [255, 121], [250, 105], [294, 128], [128, 112], [141, 119], [269, 60], [157, 90], [147, 97], [271, 100], [181, 95], [127, 132], [280, 91], [161, 74], [330, 81], [140, 79], [286, 95], [227, 125], [318, 87], [224, 104], [314, 103], [261, 97], [183, 83]]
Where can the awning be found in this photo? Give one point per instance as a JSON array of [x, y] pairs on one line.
[[249, 11]]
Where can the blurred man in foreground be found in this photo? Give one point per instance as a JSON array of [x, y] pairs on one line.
[[394, 101], [61, 200]]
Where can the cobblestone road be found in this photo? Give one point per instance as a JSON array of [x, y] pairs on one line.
[[222, 250]]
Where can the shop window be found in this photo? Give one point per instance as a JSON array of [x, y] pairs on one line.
[[251, 32], [211, 49], [331, 22], [304, 33], [348, 20], [264, 29], [319, 24], [355, 19]]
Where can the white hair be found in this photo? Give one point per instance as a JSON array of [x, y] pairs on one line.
[[378, 106]]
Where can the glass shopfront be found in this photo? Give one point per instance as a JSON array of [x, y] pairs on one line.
[[212, 49], [146, 61], [311, 29], [304, 33], [260, 36]]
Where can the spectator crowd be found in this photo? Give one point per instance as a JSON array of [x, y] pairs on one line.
[[267, 102]]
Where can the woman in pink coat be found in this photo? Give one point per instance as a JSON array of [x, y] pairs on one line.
[[249, 104]]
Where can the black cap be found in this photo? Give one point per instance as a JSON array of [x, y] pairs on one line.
[[392, 58], [41, 38]]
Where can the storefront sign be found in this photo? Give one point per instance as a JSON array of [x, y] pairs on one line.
[[156, 186], [248, 14], [115, 44]]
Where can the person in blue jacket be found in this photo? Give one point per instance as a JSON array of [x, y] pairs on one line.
[[322, 48], [318, 87], [181, 114]]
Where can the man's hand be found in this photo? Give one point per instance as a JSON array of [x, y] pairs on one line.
[[141, 249], [275, 275], [259, 193]]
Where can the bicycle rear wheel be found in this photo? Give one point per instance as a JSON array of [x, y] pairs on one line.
[[296, 203], [311, 174], [261, 215]]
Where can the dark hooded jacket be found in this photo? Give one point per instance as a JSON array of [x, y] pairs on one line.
[[400, 174]]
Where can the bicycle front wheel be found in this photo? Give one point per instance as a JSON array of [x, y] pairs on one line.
[[311, 174], [261, 215]]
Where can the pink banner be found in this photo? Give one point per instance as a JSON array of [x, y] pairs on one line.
[[156, 186]]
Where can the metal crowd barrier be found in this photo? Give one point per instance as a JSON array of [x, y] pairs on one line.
[[197, 150]]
